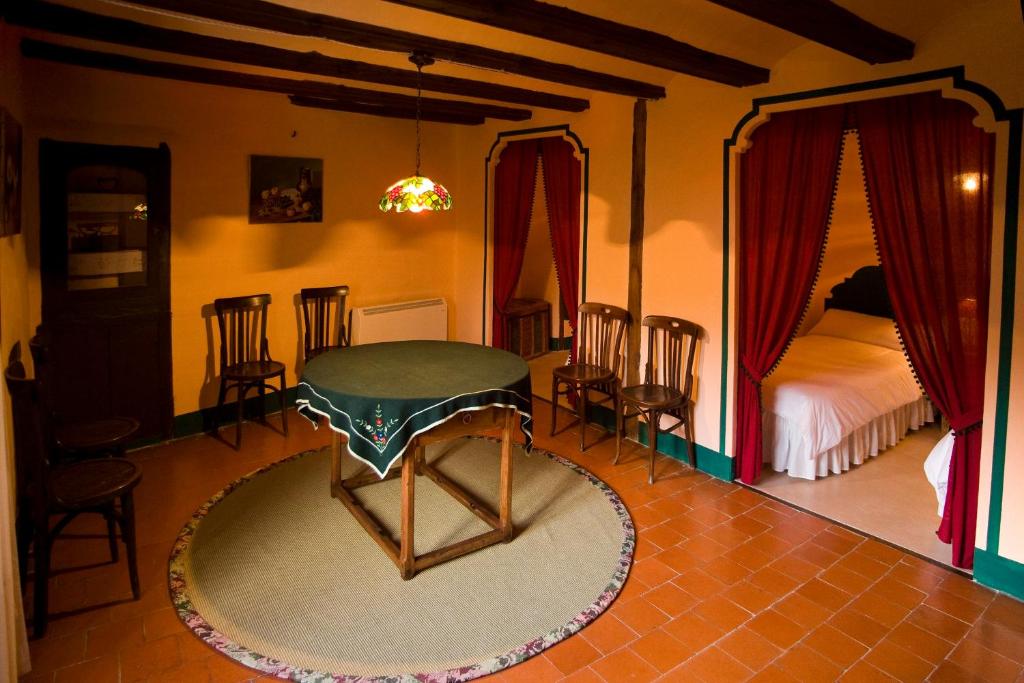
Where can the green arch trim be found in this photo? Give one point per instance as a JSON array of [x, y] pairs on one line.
[[1015, 118], [569, 134]]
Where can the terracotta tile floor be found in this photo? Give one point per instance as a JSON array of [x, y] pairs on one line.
[[727, 585]]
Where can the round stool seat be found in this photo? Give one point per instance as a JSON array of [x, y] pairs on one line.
[[83, 436], [89, 482]]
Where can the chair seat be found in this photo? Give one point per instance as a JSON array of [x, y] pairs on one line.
[[95, 435], [91, 482], [254, 369], [582, 373], [652, 395]]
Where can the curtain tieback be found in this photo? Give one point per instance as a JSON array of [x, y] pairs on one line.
[[968, 429], [750, 376]]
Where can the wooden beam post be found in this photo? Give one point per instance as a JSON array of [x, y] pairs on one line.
[[636, 241]]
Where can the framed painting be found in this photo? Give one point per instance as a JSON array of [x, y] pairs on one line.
[[285, 190], [10, 174]]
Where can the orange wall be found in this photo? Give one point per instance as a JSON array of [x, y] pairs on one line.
[[538, 279], [214, 251], [850, 239]]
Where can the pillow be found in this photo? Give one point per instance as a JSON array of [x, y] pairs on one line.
[[867, 329]]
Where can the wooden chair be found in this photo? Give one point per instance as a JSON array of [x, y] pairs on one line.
[[323, 317], [245, 361], [79, 437], [667, 387], [68, 490], [601, 346]]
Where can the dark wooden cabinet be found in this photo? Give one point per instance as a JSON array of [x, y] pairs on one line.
[[105, 266], [529, 327]]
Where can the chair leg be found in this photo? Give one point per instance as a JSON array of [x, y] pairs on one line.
[[262, 388], [284, 406], [111, 532], [652, 442], [242, 390], [691, 448], [41, 586], [222, 394], [128, 532], [584, 397], [554, 403], [620, 427], [24, 530]]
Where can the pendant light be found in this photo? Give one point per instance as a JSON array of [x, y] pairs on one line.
[[417, 193]]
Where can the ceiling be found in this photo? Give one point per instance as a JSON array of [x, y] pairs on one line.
[[698, 22]]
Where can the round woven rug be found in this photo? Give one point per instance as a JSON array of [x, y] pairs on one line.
[[276, 574]]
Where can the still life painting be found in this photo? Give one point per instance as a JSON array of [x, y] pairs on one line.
[[285, 190], [10, 174]]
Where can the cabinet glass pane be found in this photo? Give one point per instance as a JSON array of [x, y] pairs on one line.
[[107, 228]]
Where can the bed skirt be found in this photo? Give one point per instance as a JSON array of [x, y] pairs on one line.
[[785, 449]]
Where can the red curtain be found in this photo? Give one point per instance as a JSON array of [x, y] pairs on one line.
[[928, 172], [562, 173], [514, 180], [787, 180]]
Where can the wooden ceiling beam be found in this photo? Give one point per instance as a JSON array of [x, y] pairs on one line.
[[391, 112], [268, 16], [196, 74], [74, 22], [829, 24], [569, 27]]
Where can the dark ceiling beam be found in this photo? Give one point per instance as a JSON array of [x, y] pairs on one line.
[[74, 22], [563, 25], [391, 112], [829, 24], [196, 74], [280, 19]]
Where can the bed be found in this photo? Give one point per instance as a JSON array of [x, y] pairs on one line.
[[844, 392]]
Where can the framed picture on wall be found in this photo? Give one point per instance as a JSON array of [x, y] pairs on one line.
[[285, 190], [10, 174]]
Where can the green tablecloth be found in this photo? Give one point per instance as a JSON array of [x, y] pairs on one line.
[[382, 395]]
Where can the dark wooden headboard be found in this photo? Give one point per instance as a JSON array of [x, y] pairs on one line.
[[863, 292]]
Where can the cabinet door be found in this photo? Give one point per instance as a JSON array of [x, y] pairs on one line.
[[105, 264]]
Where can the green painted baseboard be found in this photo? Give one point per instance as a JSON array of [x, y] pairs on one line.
[[202, 420], [559, 343], [998, 572], [712, 462]]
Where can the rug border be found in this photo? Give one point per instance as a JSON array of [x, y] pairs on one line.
[[268, 665]]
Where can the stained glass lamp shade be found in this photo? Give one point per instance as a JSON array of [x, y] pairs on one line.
[[417, 193]]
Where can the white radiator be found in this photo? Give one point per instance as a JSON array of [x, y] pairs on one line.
[[425, 319]]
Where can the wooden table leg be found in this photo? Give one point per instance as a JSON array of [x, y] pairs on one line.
[[335, 461], [505, 484], [407, 557]]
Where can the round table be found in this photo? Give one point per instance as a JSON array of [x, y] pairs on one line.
[[391, 399]]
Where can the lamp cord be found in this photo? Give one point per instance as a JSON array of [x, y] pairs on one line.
[[419, 94]]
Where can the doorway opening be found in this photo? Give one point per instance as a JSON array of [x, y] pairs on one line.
[[537, 253]]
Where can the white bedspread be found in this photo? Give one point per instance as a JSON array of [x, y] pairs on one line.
[[826, 389]]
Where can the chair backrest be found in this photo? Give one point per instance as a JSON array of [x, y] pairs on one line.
[[602, 335], [323, 315], [671, 347], [242, 321], [30, 459]]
